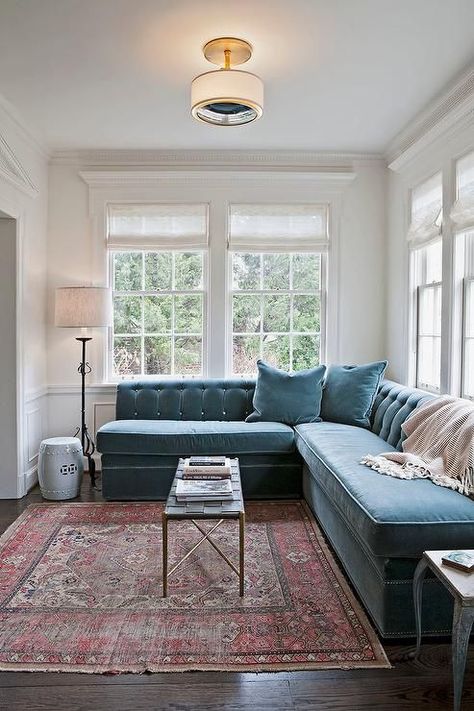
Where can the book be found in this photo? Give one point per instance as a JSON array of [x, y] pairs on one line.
[[201, 461], [193, 470], [461, 560], [203, 490]]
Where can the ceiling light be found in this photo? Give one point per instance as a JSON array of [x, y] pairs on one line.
[[226, 96]]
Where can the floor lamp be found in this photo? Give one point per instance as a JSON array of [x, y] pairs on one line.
[[84, 307]]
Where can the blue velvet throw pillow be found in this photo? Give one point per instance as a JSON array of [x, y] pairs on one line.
[[349, 392], [291, 398]]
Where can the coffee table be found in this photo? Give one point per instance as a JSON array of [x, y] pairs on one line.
[[231, 509]]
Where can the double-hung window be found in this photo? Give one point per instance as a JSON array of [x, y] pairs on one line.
[[278, 285], [157, 263], [462, 216], [425, 242]]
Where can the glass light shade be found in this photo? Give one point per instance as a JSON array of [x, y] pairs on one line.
[[83, 307], [227, 97]]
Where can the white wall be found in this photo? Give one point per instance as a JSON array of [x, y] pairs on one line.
[[23, 195], [72, 259]]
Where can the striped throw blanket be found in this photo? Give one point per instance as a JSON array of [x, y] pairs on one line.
[[439, 445]]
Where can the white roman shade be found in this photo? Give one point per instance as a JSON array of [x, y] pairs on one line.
[[281, 228], [157, 226], [462, 213], [426, 211]]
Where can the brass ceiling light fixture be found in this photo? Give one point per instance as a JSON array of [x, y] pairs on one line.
[[227, 96]]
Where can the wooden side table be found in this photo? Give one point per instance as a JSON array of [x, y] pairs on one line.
[[461, 587]]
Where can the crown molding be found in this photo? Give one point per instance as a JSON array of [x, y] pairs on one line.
[[214, 160], [12, 170], [22, 129], [448, 112]]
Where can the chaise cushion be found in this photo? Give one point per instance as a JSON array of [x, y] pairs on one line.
[[194, 437], [392, 517]]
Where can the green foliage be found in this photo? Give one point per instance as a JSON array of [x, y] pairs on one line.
[[305, 352], [157, 355], [188, 355], [276, 312], [276, 350], [306, 310], [188, 313], [246, 351], [127, 355], [127, 314], [158, 271], [246, 313], [306, 270], [128, 271], [246, 271], [276, 271], [157, 312], [188, 271]]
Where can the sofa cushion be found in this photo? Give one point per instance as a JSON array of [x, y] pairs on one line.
[[349, 392], [392, 517], [292, 398], [191, 437]]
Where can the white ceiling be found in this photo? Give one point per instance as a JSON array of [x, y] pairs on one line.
[[340, 75]]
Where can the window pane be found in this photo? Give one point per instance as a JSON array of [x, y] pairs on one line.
[[276, 350], [127, 314], [127, 356], [187, 355], [188, 314], [305, 352], [157, 314], [468, 380], [276, 313], [434, 262], [429, 361], [188, 271], [276, 271], [469, 310], [306, 313], [158, 271], [306, 271], [246, 351], [246, 313], [128, 271], [246, 271], [157, 355], [430, 311]]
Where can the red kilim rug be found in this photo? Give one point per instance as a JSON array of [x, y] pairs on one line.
[[80, 590]]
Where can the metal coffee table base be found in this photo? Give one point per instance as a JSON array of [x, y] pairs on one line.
[[206, 536]]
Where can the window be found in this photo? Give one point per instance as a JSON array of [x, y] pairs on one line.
[[424, 237], [159, 295], [428, 332], [276, 310], [462, 216], [278, 267]]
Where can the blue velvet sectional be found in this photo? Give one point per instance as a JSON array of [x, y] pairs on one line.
[[379, 526]]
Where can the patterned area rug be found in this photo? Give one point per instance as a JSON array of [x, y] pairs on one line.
[[80, 590]]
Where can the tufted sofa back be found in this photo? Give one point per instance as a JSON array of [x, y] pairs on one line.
[[206, 399], [392, 406], [231, 400]]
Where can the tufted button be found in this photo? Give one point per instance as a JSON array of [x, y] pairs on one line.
[[224, 412], [158, 414], [180, 414], [135, 414]]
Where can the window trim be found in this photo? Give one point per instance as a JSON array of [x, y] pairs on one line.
[[114, 378]]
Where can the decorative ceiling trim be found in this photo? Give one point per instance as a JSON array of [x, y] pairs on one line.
[[195, 159], [12, 170], [452, 107]]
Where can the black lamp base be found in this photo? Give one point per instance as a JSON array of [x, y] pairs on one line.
[[88, 445]]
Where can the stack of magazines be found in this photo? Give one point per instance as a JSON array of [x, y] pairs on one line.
[[205, 479]]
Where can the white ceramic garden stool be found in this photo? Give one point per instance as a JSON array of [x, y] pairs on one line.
[[60, 468]]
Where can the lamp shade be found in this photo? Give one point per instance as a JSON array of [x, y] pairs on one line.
[[83, 307], [227, 97]]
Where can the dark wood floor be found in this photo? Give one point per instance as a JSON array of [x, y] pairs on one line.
[[421, 684]]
